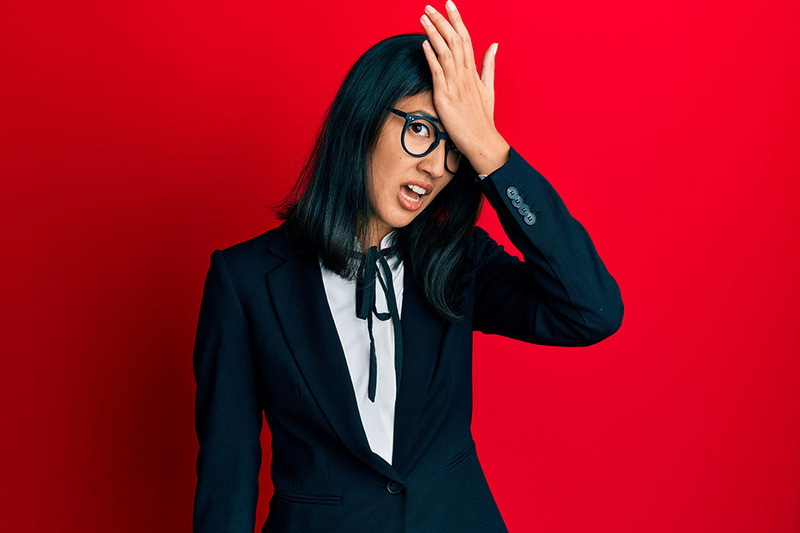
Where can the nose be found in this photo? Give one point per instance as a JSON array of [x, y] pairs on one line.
[[433, 163]]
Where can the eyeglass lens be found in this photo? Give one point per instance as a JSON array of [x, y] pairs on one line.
[[420, 134]]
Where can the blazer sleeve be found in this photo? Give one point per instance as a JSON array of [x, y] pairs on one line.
[[562, 294], [228, 415]]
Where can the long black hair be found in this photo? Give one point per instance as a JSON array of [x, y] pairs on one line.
[[329, 205]]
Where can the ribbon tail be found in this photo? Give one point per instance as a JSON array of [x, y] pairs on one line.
[[373, 363], [398, 330]]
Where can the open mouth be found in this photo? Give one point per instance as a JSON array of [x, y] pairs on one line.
[[411, 194]]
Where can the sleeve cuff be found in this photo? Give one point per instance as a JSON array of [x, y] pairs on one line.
[[512, 154]]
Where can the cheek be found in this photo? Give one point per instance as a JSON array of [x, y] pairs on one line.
[[378, 184], [379, 190], [384, 180]]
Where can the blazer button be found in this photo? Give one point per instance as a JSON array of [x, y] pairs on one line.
[[512, 192], [523, 209], [516, 202], [530, 219], [394, 487]]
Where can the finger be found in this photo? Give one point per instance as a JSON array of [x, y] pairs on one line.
[[433, 63], [487, 68], [453, 39], [444, 54], [461, 29]]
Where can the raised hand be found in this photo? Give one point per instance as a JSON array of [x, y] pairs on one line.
[[463, 99]]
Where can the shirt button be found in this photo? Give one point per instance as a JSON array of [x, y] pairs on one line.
[[512, 192], [394, 487], [530, 219]]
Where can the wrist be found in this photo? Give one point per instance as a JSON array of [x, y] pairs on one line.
[[489, 156]]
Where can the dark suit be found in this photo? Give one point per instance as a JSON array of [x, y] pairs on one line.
[[266, 341]]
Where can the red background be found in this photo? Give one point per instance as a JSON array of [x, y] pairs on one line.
[[136, 138]]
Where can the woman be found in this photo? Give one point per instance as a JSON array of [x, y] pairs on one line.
[[370, 414]]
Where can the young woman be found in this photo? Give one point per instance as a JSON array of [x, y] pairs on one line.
[[350, 325]]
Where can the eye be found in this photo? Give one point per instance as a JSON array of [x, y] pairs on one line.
[[420, 128]]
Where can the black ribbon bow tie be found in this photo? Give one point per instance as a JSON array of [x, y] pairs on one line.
[[365, 308]]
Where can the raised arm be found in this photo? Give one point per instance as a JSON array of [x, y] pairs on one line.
[[562, 294]]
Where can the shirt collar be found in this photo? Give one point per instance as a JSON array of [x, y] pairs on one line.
[[388, 240]]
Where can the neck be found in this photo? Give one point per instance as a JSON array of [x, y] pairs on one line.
[[376, 234]]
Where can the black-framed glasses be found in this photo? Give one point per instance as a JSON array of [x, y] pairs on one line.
[[421, 136]]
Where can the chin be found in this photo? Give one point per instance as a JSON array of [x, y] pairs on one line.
[[403, 220]]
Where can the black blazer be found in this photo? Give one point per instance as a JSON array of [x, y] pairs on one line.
[[266, 341]]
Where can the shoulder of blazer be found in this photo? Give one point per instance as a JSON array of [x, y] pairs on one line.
[[249, 261]]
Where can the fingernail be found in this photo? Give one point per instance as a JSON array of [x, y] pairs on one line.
[[425, 20], [495, 48], [450, 5], [429, 9]]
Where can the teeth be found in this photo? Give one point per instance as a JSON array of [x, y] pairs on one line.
[[416, 189], [410, 199]]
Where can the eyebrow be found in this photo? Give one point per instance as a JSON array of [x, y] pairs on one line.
[[425, 114]]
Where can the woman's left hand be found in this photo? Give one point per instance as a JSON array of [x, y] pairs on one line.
[[464, 100]]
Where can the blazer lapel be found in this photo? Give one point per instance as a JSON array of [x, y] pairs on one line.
[[299, 299], [422, 332]]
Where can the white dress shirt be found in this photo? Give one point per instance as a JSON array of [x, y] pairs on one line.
[[377, 417]]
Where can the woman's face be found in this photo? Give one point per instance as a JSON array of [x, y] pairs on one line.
[[401, 185]]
